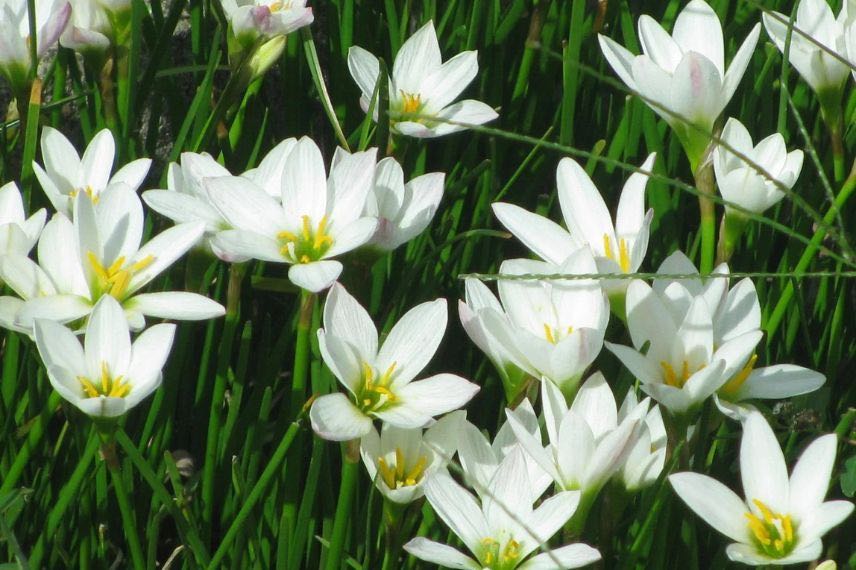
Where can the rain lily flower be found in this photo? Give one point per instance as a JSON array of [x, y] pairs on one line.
[[741, 182], [380, 380], [100, 254], [682, 366], [400, 460], [66, 174], [15, 63], [422, 89], [587, 444], [781, 520], [251, 20], [682, 76], [647, 457], [403, 210], [108, 375], [319, 217], [186, 198], [549, 328], [89, 31], [503, 530], [815, 24], [18, 234], [478, 298], [480, 459], [618, 248]]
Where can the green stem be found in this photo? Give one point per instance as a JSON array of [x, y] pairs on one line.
[[10, 369], [810, 251], [300, 371], [34, 438], [393, 513], [730, 230], [706, 185], [255, 495], [574, 527], [186, 530], [129, 523], [342, 519]]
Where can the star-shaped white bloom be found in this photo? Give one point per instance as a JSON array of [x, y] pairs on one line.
[[422, 87], [781, 520], [380, 379]]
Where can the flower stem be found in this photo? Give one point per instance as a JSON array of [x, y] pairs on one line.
[[342, 519], [574, 527], [810, 251], [129, 523], [392, 515], [730, 230], [34, 438], [255, 495], [300, 371], [706, 186]]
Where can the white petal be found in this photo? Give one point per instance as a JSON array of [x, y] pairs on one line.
[[810, 478], [248, 245], [619, 59], [97, 160], [315, 276], [698, 29], [562, 558], [412, 342], [583, 207], [59, 347], [658, 45], [715, 503], [444, 85], [762, 466], [342, 359], [59, 308], [335, 418], [345, 318], [779, 381], [437, 394], [418, 57], [738, 64], [304, 182], [132, 174], [163, 250], [596, 404], [544, 237], [108, 341], [458, 509], [821, 518], [245, 205], [179, 305], [364, 68], [440, 554]]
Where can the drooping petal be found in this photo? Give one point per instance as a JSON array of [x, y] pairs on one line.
[[179, 305], [315, 276], [440, 554], [335, 418]]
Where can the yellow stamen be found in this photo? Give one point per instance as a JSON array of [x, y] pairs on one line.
[[732, 386], [396, 476], [773, 532], [307, 246], [548, 333], [108, 386], [623, 260], [376, 393], [511, 551], [412, 102], [671, 378], [115, 279]]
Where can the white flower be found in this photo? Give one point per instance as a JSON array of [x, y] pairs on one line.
[[782, 520], [742, 183], [814, 24], [552, 329], [186, 197], [100, 254], [319, 217], [736, 312], [618, 248], [400, 460], [647, 457], [107, 376], [682, 76], [89, 28], [683, 366], [587, 443], [51, 18], [480, 459], [254, 19], [66, 174], [403, 210], [18, 234], [504, 529], [422, 87], [380, 380]]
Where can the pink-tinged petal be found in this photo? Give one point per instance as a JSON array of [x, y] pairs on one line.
[[698, 29], [762, 466], [544, 237], [696, 92], [440, 554], [53, 28], [335, 418], [716, 504]]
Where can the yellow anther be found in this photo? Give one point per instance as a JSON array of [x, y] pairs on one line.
[[732, 386], [511, 551], [415, 474], [115, 279], [306, 232], [773, 532], [412, 102], [376, 392], [623, 260], [307, 246], [548, 334], [670, 376], [286, 236], [108, 386], [304, 258], [399, 463], [396, 476]]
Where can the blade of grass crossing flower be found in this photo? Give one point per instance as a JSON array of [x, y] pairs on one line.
[[320, 85]]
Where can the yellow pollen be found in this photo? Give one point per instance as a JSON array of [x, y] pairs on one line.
[[732, 386], [553, 336], [108, 386], [511, 551], [114, 280], [307, 246], [376, 394], [623, 253], [670, 377], [548, 333], [88, 191], [412, 102], [397, 476], [773, 532]]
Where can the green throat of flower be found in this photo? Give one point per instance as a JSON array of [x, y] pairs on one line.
[[397, 475], [114, 279], [773, 533], [107, 386], [497, 558], [309, 245], [375, 394]]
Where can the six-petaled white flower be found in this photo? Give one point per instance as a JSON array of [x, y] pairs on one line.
[[251, 20], [781, 520], [51, 18], [422, 89]]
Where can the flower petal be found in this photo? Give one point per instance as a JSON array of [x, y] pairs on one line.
[[809, 480], [315, 276], [440, 554], [335, 418], [458, 509], [716, 504], [178, 305], [563, 558], [762, 466], [544, 237], [412, 342], [437, 394]]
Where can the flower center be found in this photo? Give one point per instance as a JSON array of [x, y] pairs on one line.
[[108, 386], [88, 191], [672, 378], [732, 386], [494, 558], [279, 6], [623, 260], [397, 475], [412, 102], [376, 394], [114, 280], [554, 335], [773, 532], [308, 246]]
